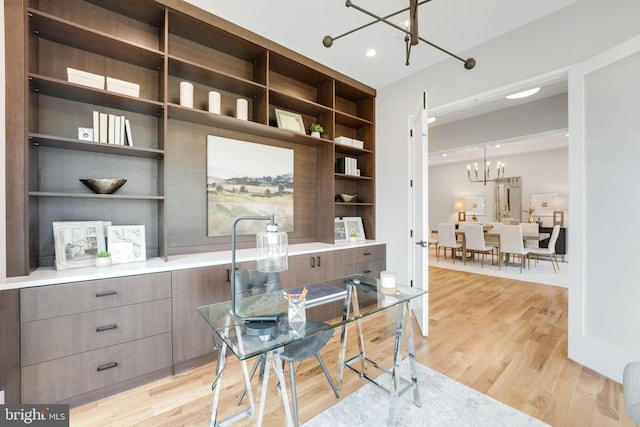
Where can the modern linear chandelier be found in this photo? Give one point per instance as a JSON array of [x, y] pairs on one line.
[[486, 171], [412, 38]]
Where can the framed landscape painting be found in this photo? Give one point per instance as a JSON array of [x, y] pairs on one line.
[[247, 179]]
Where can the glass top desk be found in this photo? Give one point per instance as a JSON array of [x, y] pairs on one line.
[[349, 299]]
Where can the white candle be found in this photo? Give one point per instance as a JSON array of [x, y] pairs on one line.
[[186, 94], [242, 109], [214, 102], [387, 279]]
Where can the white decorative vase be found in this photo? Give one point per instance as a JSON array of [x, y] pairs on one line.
[[316, 134], [186, 94], [214, 102], [242, 109], [103, 261]]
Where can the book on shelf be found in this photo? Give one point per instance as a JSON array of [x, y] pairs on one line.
[[111, 129], [346, 165], [104, 128], [96, 126], [116, 130], [127, 131]]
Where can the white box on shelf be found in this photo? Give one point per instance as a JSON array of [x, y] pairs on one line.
[[84, 78], [122, 87], [344, 140], [357, 143]]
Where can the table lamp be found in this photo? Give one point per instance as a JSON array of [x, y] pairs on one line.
[[272, 257], [460, 205]]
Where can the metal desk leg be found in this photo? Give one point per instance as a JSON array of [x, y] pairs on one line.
[[217, 385], [404, 320], [350, 301], [274, 362]]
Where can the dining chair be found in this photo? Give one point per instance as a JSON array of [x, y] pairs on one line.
[[550, 250], [433, 240], [530, 228], [448, 240], [475, 243], [511, 244], [253, 282]]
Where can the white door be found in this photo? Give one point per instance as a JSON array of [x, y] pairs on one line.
[[604, 239], [418, 140]]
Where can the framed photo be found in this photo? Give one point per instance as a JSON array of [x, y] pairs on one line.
[[353, 227], [340, 231], [475, 205], [127, 243], [290, 121], [77, 243]]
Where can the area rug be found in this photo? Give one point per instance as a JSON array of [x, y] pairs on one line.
[[445, 402]]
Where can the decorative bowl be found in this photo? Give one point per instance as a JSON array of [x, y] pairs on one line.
[[487, 227], [103, 185], [346, 198]]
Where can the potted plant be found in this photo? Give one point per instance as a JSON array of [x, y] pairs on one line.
[[316, 129], [103, 259]]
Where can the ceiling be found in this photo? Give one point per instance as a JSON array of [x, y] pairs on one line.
[[455, 25]]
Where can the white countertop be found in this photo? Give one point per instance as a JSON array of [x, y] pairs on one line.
[[50, 276]]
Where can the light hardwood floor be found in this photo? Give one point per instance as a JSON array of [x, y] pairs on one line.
[[504, 338]]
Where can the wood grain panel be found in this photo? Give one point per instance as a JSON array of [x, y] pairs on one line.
[[59, 300]]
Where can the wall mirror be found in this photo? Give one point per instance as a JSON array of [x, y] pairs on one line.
[[508, 198]]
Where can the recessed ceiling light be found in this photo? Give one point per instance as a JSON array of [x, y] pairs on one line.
[[524, 93], [431, 119], [444, 155], [371, 53], [498, 145]]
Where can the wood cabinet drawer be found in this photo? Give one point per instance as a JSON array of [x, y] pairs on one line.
[[59, 379], [60, 300], [57, 337], [370, 269], [364, 254]]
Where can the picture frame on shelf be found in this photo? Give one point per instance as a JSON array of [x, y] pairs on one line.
[[77, 243], [127, 243], [354, 228], [290, 121], [340, 231]]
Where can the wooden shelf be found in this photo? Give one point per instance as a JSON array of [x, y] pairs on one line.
[[74, 92], [353, 177], [187, 70], [93, 196], [95, 147], [68, 33]]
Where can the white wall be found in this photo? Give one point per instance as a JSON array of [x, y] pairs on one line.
[[541, 171], [552, 43]]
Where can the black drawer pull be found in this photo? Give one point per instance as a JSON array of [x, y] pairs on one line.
[[106, 328], [313, 262], [366, 272], [366, 253], [107, 366], [318, 261], [105, 293]]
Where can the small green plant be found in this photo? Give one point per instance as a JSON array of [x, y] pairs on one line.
[[315, 127], [103, 254]]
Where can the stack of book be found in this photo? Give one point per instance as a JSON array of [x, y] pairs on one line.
[[111, 129]]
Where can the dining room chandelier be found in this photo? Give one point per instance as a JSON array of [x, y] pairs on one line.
[[412, 38], [485, 176]]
